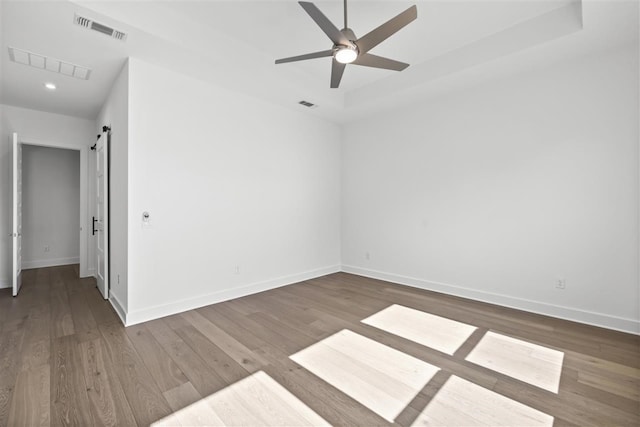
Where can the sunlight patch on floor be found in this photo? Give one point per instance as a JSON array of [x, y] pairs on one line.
[[257, 400], [463, 403], [381, 378], [436, 332], [534, 364]]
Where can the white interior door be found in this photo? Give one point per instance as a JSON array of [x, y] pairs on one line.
[[17, 215], [101, 220]]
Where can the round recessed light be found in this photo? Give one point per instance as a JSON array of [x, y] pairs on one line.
[[50, 86]]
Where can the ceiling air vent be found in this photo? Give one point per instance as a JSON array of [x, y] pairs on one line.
[[47, 63], [307, 104], [101, 28]]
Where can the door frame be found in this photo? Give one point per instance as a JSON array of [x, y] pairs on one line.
[[103, 216], [84, 211], [16, 214]]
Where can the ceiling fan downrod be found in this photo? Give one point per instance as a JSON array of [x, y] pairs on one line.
[[345, 15]]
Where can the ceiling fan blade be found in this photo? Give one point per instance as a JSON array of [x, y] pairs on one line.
[[374, 37], [369, 60], [313, 55], [323, 22], [337, 69]]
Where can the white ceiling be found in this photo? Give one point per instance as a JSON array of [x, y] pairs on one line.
[[452, 44]]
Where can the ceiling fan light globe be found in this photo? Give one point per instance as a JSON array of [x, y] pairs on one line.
[[346, 55]]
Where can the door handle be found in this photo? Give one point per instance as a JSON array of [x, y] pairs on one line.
[[93, 226]]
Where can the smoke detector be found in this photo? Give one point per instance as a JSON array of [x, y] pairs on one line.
[[90, 24]]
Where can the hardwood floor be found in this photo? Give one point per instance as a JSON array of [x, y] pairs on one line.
[[340, 350]]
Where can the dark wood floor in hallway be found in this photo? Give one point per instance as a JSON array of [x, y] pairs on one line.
[[340, 350]]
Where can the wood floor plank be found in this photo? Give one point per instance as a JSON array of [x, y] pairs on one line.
[[620, 385], [569, 381], [109, 405], [241, 332], [144, 396], [243, 355], [190, 408], [101, 309], [281, 338], [17, 316], [37, 340], [195, 369], [31, 403], [69, 400], [5, 306], [85, 325], [10, 352], [322, 326], [163, 369], [61, 317], [56, 279], [182, 396], [219, 361]]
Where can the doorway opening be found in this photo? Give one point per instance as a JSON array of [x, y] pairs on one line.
[[51, 206], [56, 203]]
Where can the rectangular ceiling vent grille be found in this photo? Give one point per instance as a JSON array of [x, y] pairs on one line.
[[101, 28], [307, 104], [48, 63]]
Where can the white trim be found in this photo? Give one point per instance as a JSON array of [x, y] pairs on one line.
[[582, 316], [54, 262], [84, 211], [5, 283], [117, 306], [156, 312]]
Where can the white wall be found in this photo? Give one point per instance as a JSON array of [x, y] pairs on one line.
[[50, 206], [45, 129], [115, 113], [228, 181], [496, 192]]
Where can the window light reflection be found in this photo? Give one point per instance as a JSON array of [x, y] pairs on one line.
[[381, 378], [433, 331], [534, 364], [255, 400], [463, 403]]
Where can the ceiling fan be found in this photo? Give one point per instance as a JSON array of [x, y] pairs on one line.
[[348, 49]]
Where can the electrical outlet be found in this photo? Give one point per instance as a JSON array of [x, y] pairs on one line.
[[561, 284], [367, 256], [237, 269], [47, 248]]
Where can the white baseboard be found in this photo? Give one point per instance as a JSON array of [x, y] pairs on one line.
[[5, 283], [54, 262], [117, 306], [156, 312], [90, 272], [582, 316]]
